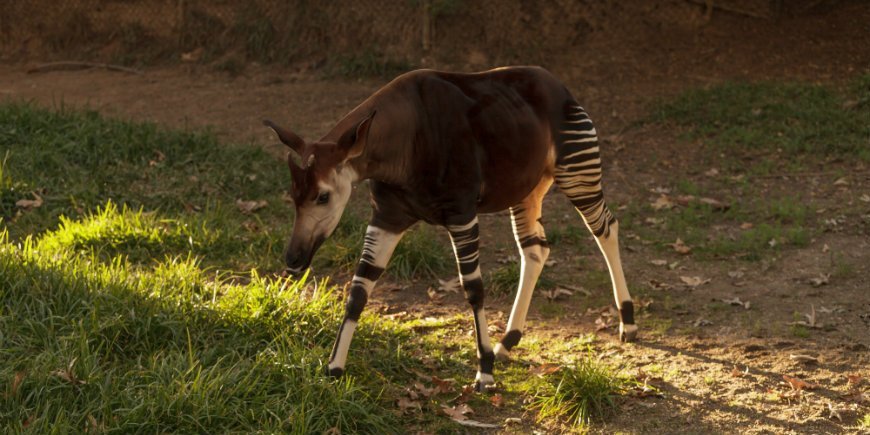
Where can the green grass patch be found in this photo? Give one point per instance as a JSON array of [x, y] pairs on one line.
[[580, 393], [108, 346], [792, 118]]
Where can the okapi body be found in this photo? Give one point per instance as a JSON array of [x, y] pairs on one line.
[[442, 148]]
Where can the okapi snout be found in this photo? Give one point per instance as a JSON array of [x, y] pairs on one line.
[[298, 258]]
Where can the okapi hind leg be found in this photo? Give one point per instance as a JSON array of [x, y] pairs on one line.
[[534, 250], [377, 250], [578, 175], [465, 240]]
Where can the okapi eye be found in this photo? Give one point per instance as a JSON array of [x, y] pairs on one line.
[[323, 198]]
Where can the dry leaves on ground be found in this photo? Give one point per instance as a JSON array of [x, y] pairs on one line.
[[680, 247], [556, 293], [249, 207], [694, 281], [811, 319], [737, 302], [407, 405], [451, 285], [544, 369], [798, 384], [458, 414], [820, 280], [30, 204]]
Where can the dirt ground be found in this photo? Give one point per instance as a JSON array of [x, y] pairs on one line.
[[720, 366]]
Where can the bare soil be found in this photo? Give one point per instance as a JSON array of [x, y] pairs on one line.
[[720, 366]]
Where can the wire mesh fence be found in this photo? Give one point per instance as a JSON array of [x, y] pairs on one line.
[[359, 36]]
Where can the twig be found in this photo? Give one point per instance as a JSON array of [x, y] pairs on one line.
[[75, 65]]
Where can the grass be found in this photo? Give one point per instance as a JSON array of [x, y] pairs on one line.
[[580, 393], [130, 301], [784, 118]]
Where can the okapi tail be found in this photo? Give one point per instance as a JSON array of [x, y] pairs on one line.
[[578, 168]]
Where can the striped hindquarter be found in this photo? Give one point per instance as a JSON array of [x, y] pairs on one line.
[[578, 175]]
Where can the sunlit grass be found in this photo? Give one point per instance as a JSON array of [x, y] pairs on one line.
[[580, 393]]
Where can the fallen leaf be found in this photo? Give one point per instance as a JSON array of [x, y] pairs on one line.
[[736, 373], [736, 301], [30, 204], [449, 285], [333, 431], [841, 182], [746, 225], [68, 375], [443, 385], [658, 285], [251, 226], [434, 296], [820, 280], [466, 394], [834, 412], [712, 172], [865, 198], [544, 369], [663, 202], [576, 289], [694, 281], [496, 400], [513, 420], [248, 207], [601, 324], [701, 322], [854, 380], [803, 358], [556, 293], [423, 390], [797, 384], [16, 382], [811, 319], [457, 411], [551, 263], [715, 204], [680, 247], [736, 274], [659, 262], [825, 248], [477, 424], [407, 405]]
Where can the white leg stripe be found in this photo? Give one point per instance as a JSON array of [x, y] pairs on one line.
[[343, 344]]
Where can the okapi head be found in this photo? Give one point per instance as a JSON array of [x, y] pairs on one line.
[[321, 188]]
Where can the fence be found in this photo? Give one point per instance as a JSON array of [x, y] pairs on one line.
[[355, 35]]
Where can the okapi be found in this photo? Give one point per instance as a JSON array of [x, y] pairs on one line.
[[442, 148]]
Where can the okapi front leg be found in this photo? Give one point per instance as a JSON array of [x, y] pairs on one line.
[[465, 239], [532, 243], [377, 250]]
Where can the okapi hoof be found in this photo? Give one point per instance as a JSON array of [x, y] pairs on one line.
[[503, 349], [501, 352], [335, 372], [627, 333], [484, 382]]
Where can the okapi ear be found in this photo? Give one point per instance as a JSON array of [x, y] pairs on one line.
[[286, 136], [354, 140]]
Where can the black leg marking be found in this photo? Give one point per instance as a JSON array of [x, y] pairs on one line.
[[336, 372], [511, 339], [626, 313], [356, 302]]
